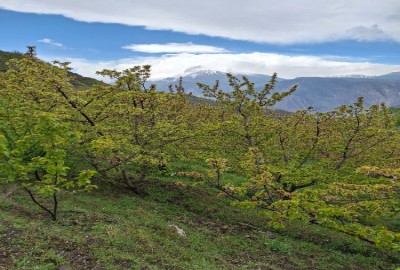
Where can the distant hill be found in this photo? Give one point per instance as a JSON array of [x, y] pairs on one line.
[[322, 93], [77, 80], [6, 56], [81, 81], [328, 93], [390, 76]]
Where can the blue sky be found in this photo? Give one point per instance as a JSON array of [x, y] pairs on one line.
[[296, 40]]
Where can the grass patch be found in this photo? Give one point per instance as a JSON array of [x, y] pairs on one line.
[[113, 230]]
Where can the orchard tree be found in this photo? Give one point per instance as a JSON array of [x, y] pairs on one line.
[[125, 129], [145, 126], [318, 180], [36, 144], [352, 134], [242, 116], [304, 165]]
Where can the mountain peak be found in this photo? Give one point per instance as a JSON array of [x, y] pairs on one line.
[[198, 71]]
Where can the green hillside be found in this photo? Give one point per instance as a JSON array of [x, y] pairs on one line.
[[113, 230], [6, 56], [77, 80], [124, 176]]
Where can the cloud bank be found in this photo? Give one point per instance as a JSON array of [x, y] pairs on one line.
[[248, 63], [268, 21]]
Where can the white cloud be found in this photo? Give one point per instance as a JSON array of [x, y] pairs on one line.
[[174, 48], [251, 63], [50, 42], [283, 22]]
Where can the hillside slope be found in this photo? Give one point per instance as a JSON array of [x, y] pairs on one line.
[[77, 80], [113, 230]]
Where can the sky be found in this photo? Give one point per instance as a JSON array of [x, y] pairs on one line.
[[294, 38]]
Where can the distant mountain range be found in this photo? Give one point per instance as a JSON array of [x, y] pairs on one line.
[[390, 76], [323, 93]]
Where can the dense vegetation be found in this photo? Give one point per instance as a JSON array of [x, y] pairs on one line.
[[337, 170], [6, 56]]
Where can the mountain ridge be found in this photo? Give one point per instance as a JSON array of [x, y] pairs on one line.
[[322, 93]]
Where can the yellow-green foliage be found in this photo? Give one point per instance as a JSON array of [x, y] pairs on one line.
[[35, 141], [337, 169], [304, 165]]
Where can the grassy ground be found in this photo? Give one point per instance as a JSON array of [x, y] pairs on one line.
[[107, 229]]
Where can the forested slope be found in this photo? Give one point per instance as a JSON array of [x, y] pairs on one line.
[[244, 183]]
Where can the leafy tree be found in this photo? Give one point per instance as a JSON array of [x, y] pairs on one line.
[[35, 143], [303, 165], [124, 128], [145, 126], [241, 115]]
